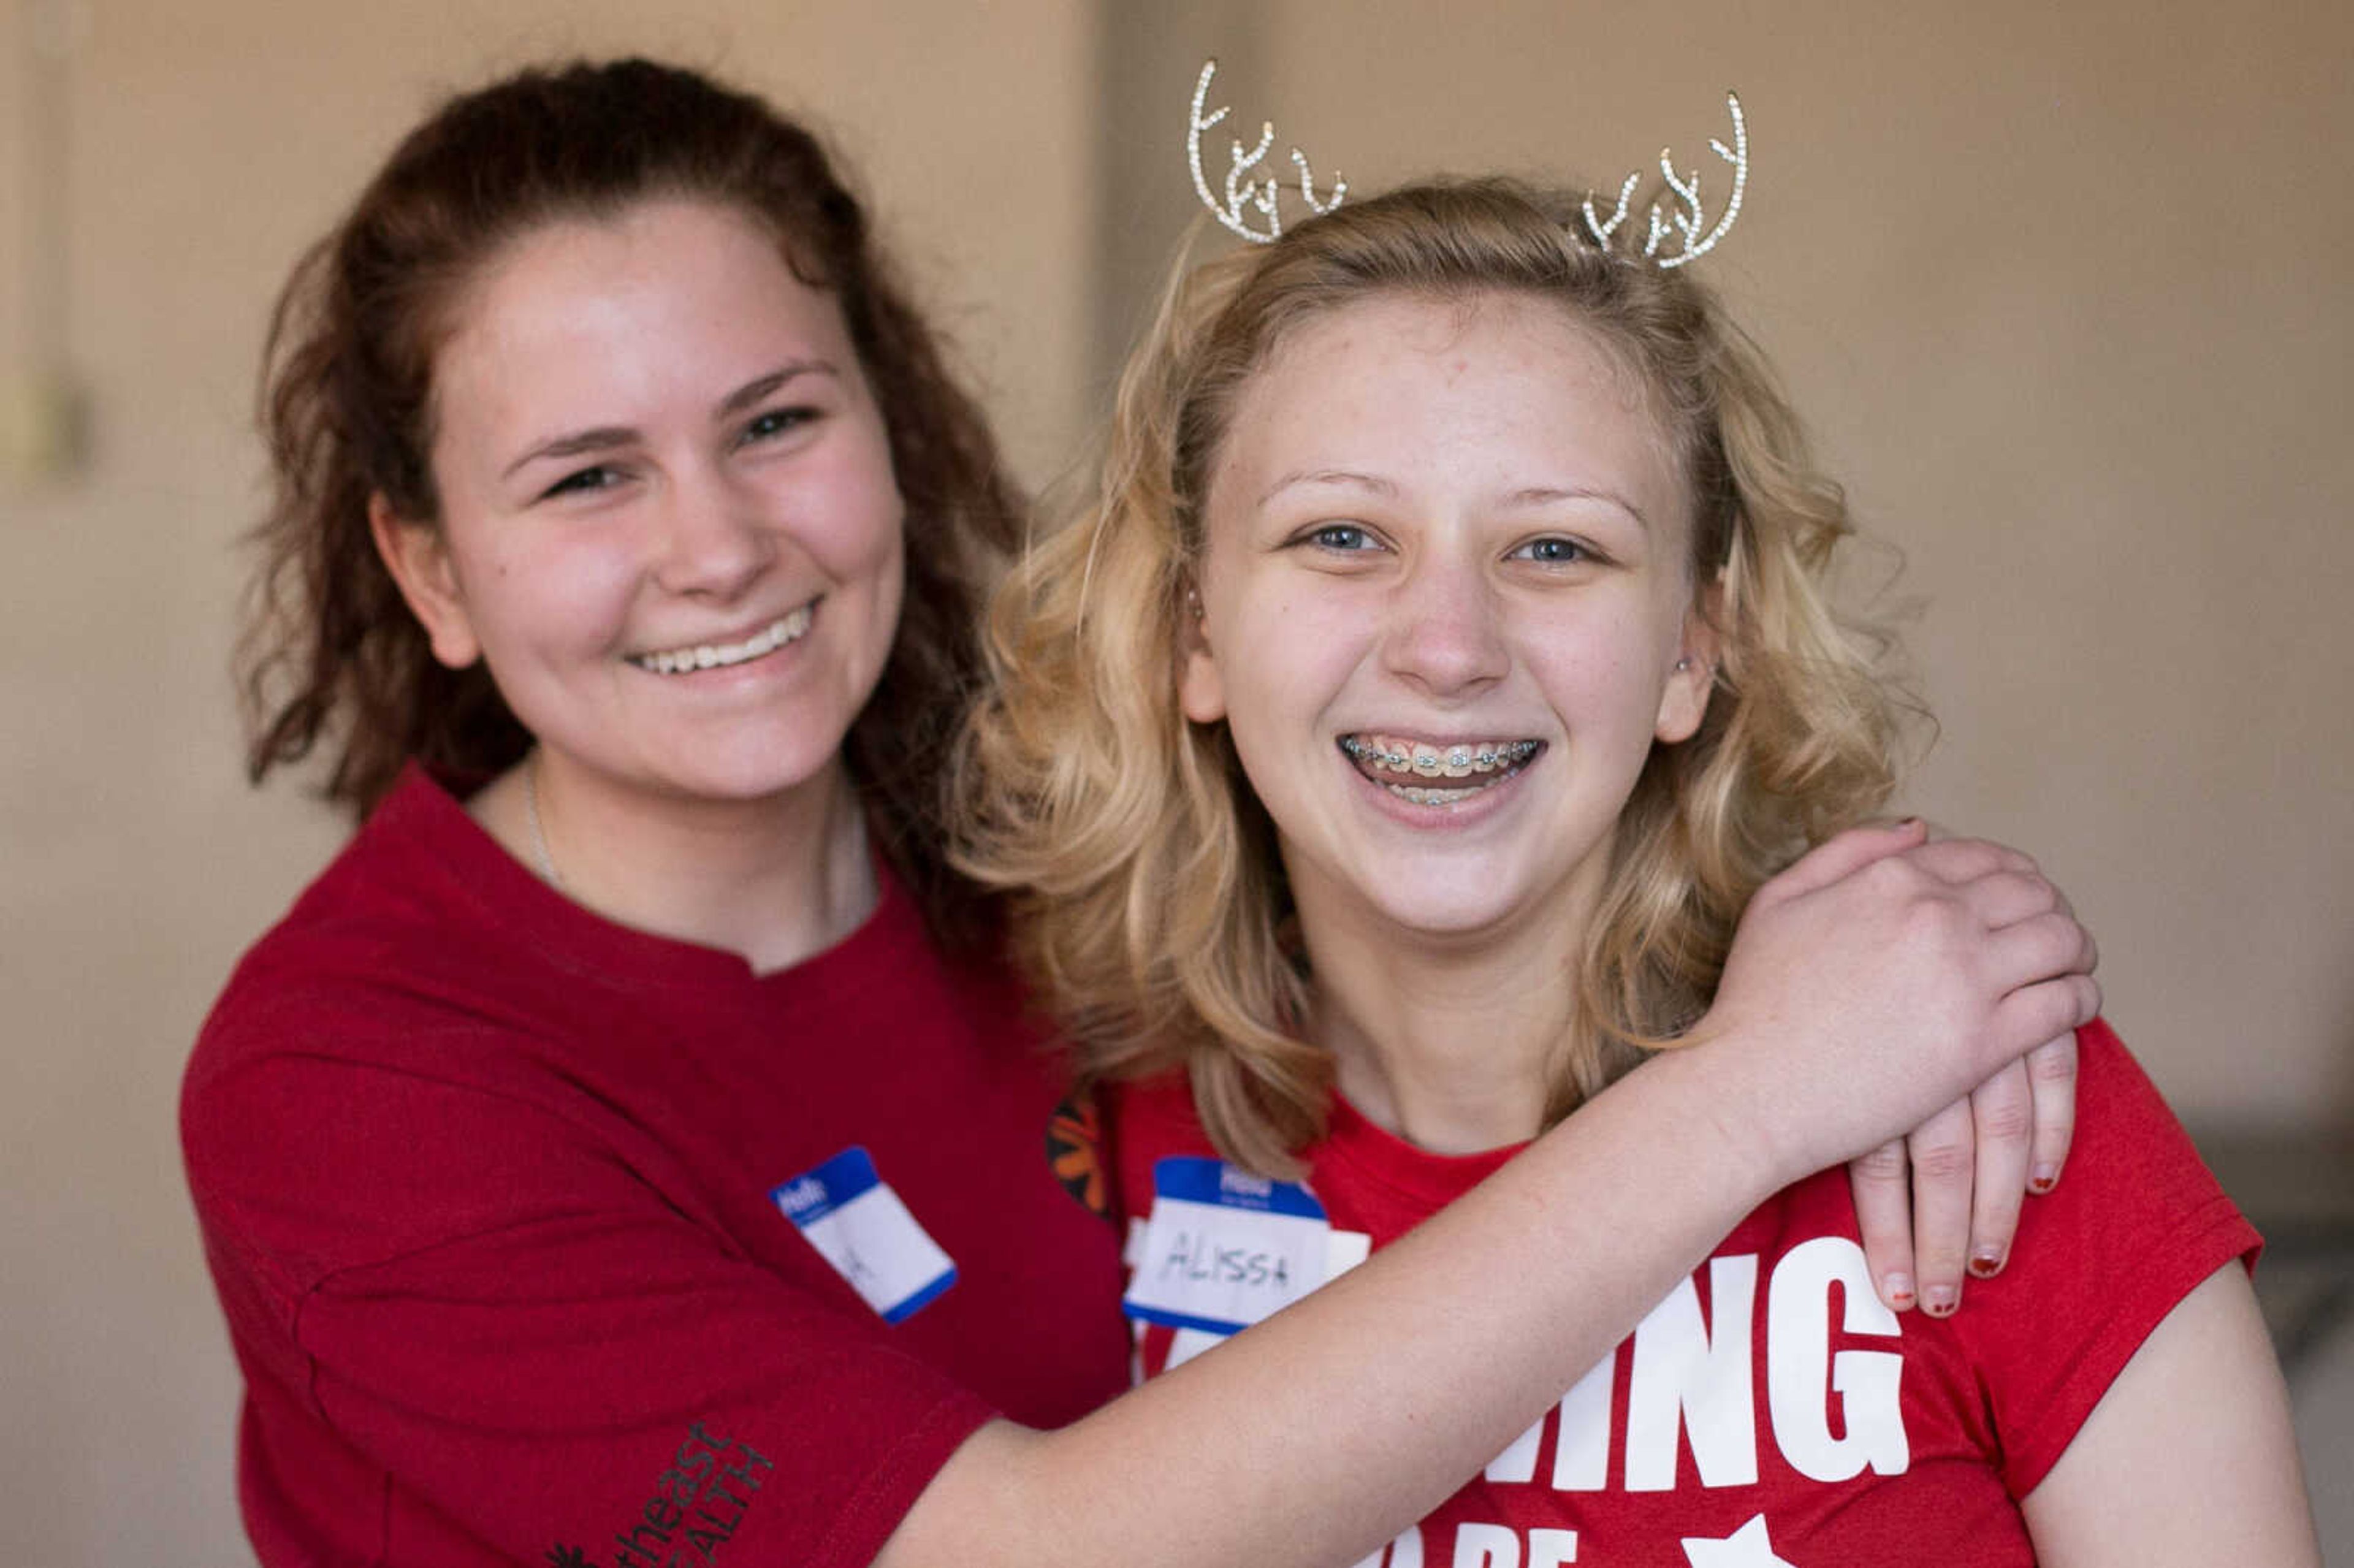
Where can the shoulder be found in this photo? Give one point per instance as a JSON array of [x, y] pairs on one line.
[[2136, 1222], [385, 950], [417, 877], [2133, 1176], [388, 1045]]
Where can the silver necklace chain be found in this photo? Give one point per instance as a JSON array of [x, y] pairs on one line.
[[538, 834]]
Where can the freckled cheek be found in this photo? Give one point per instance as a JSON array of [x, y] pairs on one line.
[[1592, 670], [1324, 622], [1295, 642]]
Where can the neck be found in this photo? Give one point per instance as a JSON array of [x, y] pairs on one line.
[[1448, 1040], [774, 880]]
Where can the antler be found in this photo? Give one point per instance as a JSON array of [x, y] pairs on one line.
[[1685, 222], [1242, 189]]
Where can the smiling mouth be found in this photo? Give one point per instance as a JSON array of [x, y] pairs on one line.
[[785, 629], [1425, 774]]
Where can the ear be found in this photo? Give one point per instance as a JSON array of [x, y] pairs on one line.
[[418, 559], [1201, 690], [1685, 701]]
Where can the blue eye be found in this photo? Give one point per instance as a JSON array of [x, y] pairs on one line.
[[1553, 551], [1341, 536]]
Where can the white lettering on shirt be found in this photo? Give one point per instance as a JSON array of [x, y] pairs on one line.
[[1797, 1342], [1694, 1375], [1689, 1382]]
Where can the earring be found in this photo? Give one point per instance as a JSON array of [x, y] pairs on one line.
[[1194, 603], [1683, 664]]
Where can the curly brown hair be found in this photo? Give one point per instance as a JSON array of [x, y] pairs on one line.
[[331, 654]]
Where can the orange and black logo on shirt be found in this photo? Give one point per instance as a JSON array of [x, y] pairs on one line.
[[1074, 1151]]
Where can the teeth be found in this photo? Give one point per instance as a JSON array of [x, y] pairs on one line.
[[1436, 762], [717, 655], [1419, 761]]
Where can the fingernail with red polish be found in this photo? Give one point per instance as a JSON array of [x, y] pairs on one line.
[[1940, 1301], [2044, 1179], [1896, 1290], [1986, 1263]]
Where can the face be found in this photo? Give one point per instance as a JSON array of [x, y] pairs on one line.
[[670, 525], [1443, 596]]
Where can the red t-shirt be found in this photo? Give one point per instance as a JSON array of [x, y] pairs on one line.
[[505, 1203], [1771, 1411]]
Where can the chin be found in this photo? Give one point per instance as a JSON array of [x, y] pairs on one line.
[[1448, 913], [760, 777]]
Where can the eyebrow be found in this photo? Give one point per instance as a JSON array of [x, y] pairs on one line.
[[1371, 481], [605, 438], [753, 391], [1551, 495], [1532, 495]]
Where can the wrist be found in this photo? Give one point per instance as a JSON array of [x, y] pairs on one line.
[[1706, 1113]]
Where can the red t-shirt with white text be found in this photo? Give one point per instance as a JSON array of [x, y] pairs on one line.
[[1770, 1412]]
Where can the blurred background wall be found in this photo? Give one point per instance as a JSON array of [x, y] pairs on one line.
[[2064, 291]]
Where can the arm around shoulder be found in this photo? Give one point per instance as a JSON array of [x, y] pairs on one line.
[[1314, 1437]]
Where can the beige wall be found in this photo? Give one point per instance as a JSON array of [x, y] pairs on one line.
[[2066, 300]]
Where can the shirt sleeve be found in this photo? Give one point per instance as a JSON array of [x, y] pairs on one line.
[[2136, 1222], [488, 1302]]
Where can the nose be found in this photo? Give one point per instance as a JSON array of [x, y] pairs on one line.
[[713, 537], [1445, 634]]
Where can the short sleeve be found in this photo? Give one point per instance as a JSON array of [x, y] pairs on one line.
[[491, 1304], [2137, 1222]]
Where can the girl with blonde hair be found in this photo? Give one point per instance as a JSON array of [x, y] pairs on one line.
[[1394, 746]]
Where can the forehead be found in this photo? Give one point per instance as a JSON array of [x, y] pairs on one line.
[[671, 263], [605, 320], [1500, 385], [1467, 323]]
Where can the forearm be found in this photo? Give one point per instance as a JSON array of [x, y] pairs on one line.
[[1318, 1435]]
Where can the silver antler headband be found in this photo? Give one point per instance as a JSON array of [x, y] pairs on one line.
[[1686, 222], [1681, 223], [1244, 188]]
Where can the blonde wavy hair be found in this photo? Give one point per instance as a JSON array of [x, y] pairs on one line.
[[1151, 906]]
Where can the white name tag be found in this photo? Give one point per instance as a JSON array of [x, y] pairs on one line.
[[857, 1224], [1223, 1248]]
